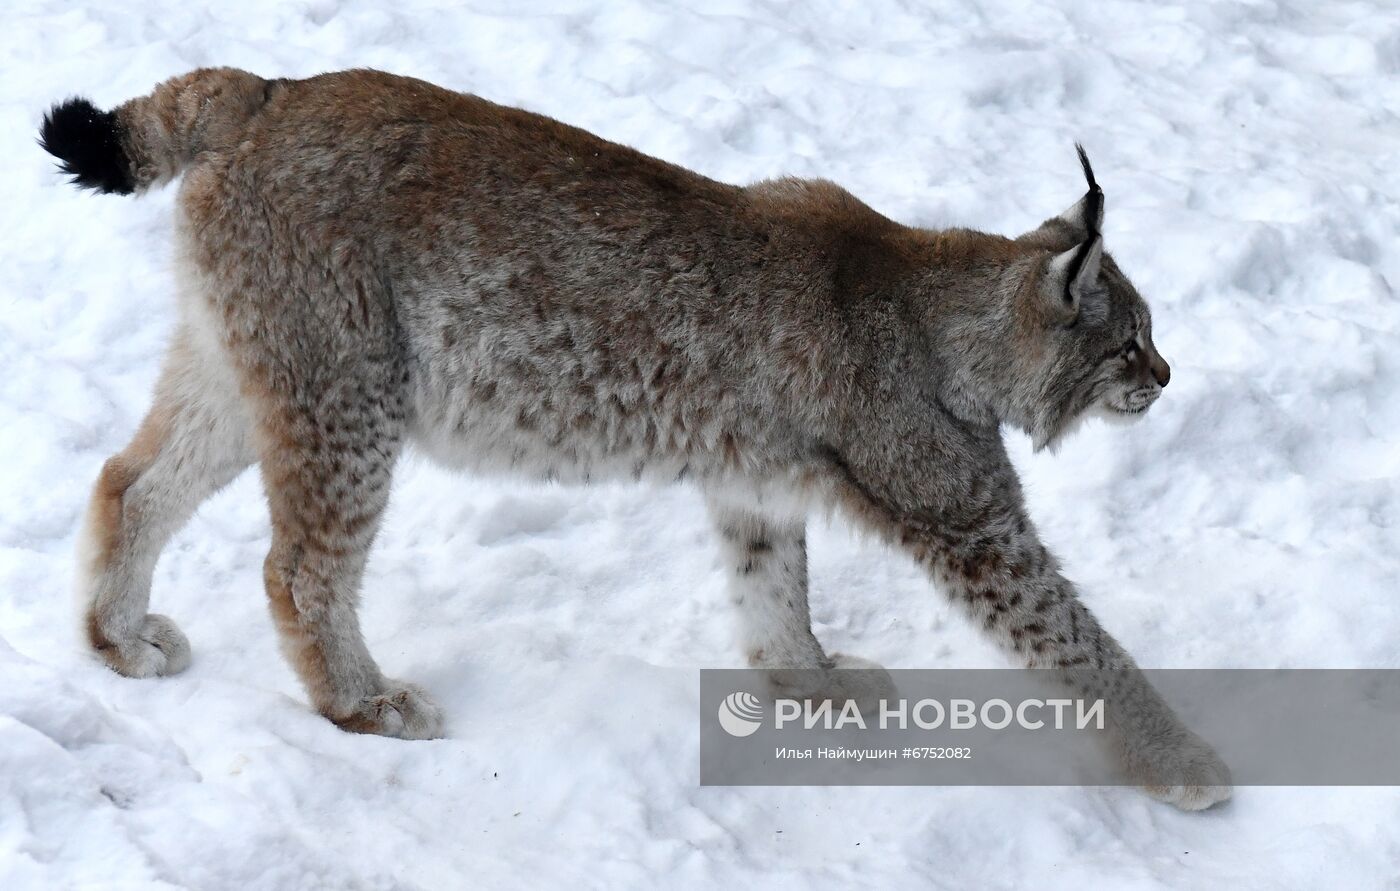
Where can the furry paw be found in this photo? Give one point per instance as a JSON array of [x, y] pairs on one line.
[[1184, 772], [849, 678], [402, 711], [159, 648]]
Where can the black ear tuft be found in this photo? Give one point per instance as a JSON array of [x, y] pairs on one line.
[[1093, 210], [1094, 206], [1084, 162], [88, 142]]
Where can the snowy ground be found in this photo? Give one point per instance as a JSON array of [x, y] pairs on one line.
[[1249, 151]]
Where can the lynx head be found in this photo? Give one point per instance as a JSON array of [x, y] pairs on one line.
[[1093, 351]]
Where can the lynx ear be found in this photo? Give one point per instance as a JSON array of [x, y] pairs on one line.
[[1086, 215], [1072, 273]]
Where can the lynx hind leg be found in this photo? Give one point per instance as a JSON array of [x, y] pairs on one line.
[[193, 442], [766, 555], [327, 474]]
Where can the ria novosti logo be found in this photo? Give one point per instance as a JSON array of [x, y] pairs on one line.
[[740, 714]]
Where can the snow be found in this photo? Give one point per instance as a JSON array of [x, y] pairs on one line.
[[1248, 150]]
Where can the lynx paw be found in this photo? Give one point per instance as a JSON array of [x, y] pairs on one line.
[[849, 678], [1184, 772], [402, 711], [159, 648]]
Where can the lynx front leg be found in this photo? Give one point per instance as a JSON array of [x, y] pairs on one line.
[[986, 555], [1017, 594], [327, 476], [767, 560]]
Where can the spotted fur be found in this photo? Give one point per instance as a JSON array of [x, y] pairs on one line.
[[370, 261]]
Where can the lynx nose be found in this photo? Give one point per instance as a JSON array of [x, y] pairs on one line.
[[1161, 371]]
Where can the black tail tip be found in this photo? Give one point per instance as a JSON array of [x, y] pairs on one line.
[[88, 143]]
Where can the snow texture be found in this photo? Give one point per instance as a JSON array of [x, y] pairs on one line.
[[1248, 150]]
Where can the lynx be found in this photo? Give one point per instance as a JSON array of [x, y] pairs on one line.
[[369, 261]]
